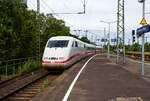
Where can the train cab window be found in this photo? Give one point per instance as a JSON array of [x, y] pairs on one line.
[[58, 43], [76, 44]]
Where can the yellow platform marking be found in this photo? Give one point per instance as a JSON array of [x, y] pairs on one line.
[[110, 63], [128, 99]]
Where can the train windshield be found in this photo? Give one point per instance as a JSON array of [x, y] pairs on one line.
[[58, 43]]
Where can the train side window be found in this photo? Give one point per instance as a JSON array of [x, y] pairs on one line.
[[84, 46], [73, 44], [76, 44]]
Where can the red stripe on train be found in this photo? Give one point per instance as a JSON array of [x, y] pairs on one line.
[[76, 55]]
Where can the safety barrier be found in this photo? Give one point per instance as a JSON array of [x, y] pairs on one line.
[[9, 68]]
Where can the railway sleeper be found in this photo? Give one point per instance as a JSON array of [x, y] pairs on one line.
[[14, 100], [24, 95], [18, 98], [38, 87], [28, 92]]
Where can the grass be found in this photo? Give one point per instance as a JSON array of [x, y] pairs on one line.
[[29, 66], [137, 52], [133, 57], [140, 60], [45, 84], [3, 77]]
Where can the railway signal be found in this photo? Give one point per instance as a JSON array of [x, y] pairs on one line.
[[133, 36]]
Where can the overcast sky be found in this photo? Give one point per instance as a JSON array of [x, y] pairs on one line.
[[96, 10]]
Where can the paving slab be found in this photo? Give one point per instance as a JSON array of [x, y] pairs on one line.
[[103, 80]]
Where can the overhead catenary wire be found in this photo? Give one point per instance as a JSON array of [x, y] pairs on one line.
[[43, 7], [67, 12], [48, 6], [31, 3], [84, 2], [54, 13]]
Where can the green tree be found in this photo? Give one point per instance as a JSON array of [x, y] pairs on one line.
[[53, 27], [18, 28], [147, 47], [85, 39], [135, 47]]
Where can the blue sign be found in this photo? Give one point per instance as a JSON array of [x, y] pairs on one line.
[[143, 29], [113, 40], [103, 40]]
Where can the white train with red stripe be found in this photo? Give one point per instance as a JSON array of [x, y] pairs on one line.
[[62, 51]]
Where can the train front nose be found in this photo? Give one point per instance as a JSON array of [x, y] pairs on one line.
[[55, 54], [54, 66], [54, 63]]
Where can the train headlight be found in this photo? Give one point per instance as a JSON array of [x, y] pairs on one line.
[[54, 58], [46, 58], [61, 58]]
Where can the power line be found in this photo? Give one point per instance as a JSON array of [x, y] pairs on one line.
[[48, 6], [32, 4], [67, 12], [49, 9], [44, 7]]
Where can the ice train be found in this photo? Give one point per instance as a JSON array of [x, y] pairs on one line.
[[62, 51]]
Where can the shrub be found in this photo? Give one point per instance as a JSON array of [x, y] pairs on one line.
[[29, 66]]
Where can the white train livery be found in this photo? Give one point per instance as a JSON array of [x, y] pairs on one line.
[[62, 51]]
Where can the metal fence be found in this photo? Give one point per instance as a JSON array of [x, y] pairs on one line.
[[10, 68]]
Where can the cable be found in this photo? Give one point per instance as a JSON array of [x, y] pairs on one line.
[[44, 7], [55, 14], [48, 6], [32, 4], [84, 2]]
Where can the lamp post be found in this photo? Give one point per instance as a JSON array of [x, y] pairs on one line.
[[143, 41], [104, 39], [108, 51]]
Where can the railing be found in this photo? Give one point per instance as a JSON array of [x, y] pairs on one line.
[[10, 68]]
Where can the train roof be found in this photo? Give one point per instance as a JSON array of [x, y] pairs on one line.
[[61, 38], [69, 38]]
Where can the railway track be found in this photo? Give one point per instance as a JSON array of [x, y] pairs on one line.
[[17, 78], [27, 92], [138, 56]]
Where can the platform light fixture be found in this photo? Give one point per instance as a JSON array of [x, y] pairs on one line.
[[108, 53], [141, 1]]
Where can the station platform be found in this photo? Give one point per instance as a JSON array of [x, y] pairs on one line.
[[102, 80]]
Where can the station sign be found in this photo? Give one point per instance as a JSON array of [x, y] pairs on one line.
[[98, 39], [143, 29], [103, 40], [113, 40]]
